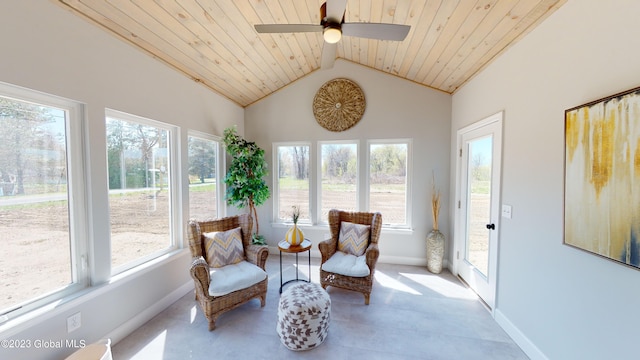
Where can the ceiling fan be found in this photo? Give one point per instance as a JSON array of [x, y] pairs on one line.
[[333, 27]]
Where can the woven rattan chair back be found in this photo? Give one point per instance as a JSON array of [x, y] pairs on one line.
[[213, 306], [330, 246]]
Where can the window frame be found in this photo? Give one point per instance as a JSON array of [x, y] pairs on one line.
[[276, 184], [408, 197], [358, 206], [77, 200], [220, 167], [175, 210]]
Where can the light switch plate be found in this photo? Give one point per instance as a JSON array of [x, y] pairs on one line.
[[506, 211]]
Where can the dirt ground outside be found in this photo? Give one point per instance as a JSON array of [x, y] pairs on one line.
[[35, 253], [391, 204]]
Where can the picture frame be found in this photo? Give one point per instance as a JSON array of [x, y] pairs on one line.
[[602, 177]]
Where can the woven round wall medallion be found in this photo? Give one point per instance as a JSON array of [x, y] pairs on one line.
[[338, 105]]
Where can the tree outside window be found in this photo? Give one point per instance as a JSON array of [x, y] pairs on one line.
[[339, 177], [139, 193], [35, 210], [388, 181], [203, 178], [293, 181]]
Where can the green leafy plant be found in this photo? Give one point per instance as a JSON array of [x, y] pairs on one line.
[[258, 239], [245, 182]]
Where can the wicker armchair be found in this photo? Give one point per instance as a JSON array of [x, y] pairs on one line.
[[330, 246], [213, 306]]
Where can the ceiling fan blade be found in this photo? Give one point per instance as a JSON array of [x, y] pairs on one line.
[[335, 10], [376, 31], [328, 56], [287, 28]]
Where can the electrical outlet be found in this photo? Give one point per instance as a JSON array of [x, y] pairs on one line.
[[74, 322]]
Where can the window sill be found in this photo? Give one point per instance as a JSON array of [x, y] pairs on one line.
[[325, 227], [146, 266]]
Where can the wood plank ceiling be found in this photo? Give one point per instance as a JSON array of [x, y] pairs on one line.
[[214, 42]]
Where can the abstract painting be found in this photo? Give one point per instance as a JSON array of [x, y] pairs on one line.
[[602, 177]]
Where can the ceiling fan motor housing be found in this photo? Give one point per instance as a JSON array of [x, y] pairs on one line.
[[325, 20]]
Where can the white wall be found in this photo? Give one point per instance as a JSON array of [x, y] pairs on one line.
[[558, 302], [395, 109], [46, 48]]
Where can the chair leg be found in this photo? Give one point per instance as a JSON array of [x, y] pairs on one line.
[[212, 324], [366, 299], [263, 300]]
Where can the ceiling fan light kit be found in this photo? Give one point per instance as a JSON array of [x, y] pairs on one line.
[[332, 33]]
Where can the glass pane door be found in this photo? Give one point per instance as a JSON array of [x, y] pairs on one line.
[[478, 193], [479, 202]]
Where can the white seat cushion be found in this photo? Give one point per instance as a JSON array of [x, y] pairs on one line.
[[347, 265], [230, 278]]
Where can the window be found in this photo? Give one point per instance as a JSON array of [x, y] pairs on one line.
[[338, 178], [140, 160], [388, 186], [42, 257], [386, 190], [204, 179], [292, 181]]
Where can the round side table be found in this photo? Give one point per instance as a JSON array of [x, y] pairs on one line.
[[284, 246]]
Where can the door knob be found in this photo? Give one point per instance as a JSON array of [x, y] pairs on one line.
[[491, 226]]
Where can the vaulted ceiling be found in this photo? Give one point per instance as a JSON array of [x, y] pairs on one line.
[[214, 41]]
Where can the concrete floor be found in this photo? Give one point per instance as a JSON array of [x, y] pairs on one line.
[[413, 314]]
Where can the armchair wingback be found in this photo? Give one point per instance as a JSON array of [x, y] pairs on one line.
[[329, 247], [212, 306]]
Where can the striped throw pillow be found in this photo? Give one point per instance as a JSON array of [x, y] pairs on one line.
[[223, 247], [353, 238]]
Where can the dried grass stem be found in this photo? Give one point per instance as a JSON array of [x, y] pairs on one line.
[[435, 203]]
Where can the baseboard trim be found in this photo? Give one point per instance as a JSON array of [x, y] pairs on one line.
[[134, 323], [518, 337]]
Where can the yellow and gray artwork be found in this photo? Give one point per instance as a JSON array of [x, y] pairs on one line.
[[602, 177]]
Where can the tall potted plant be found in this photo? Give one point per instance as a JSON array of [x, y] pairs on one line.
[[245, 178]]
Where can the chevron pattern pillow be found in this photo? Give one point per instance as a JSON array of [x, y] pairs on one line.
[[223, 247], [353, 238]]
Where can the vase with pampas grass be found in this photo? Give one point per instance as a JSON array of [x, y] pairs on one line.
[[435, 239]]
